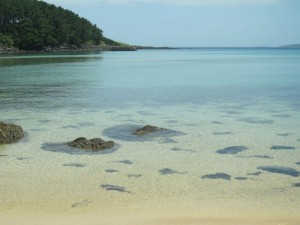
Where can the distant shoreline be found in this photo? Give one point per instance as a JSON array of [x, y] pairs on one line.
[[62, 49]]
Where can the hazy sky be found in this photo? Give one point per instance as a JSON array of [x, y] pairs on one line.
[[193, 23]]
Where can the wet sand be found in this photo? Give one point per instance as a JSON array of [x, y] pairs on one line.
[[159, 218]]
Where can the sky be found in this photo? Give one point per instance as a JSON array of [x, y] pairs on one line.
[[193, 23]]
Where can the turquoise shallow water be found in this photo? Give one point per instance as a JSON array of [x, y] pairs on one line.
[[214, 98]]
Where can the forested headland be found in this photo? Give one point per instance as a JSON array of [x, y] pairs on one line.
[[32, 25]]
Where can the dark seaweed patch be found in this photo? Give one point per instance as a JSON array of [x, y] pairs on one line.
[[22, 158], [110, 187], [167, 171], [256, 120], [232, 150], [125, 133], [111, 171], [223, 176], [256, 156], [181, 149], [70, 127], [261, 156], [281, 170], [280, 147], [84, 203], [222, 133], [217, 122], [241, 178], [254, 174], [78, 165], [232, 112], [64, 148], [285, 134], [134, 175], [128, 162]]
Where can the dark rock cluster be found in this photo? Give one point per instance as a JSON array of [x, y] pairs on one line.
[[95, 144], [146, 130]]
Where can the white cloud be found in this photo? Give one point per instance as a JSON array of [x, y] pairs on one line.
[[170, 2]]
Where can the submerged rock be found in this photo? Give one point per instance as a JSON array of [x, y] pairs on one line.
[[296, 185], [280, 147], [10, 133], [223, 176], [129, 132], [232, 150], [281, 170], [96, 144], [146, 130]]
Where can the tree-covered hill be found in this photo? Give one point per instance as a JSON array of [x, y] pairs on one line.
[[37, 25]]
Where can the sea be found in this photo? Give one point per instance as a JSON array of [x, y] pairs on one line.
[[230, 149]]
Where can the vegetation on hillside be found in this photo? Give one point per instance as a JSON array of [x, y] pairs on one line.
[[36, 25]]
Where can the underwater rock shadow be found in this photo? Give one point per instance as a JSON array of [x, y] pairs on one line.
[[282, 147], [222, 176], [126, 133], [168, 171], [64, 148], [232, 150], [256, 120], [280, 170]]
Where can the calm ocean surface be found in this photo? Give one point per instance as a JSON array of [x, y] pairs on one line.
[[217, 99]]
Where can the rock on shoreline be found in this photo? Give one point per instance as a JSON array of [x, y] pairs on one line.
[[10, 133]]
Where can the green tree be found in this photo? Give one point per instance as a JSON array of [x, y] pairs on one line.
[[34, 25]]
